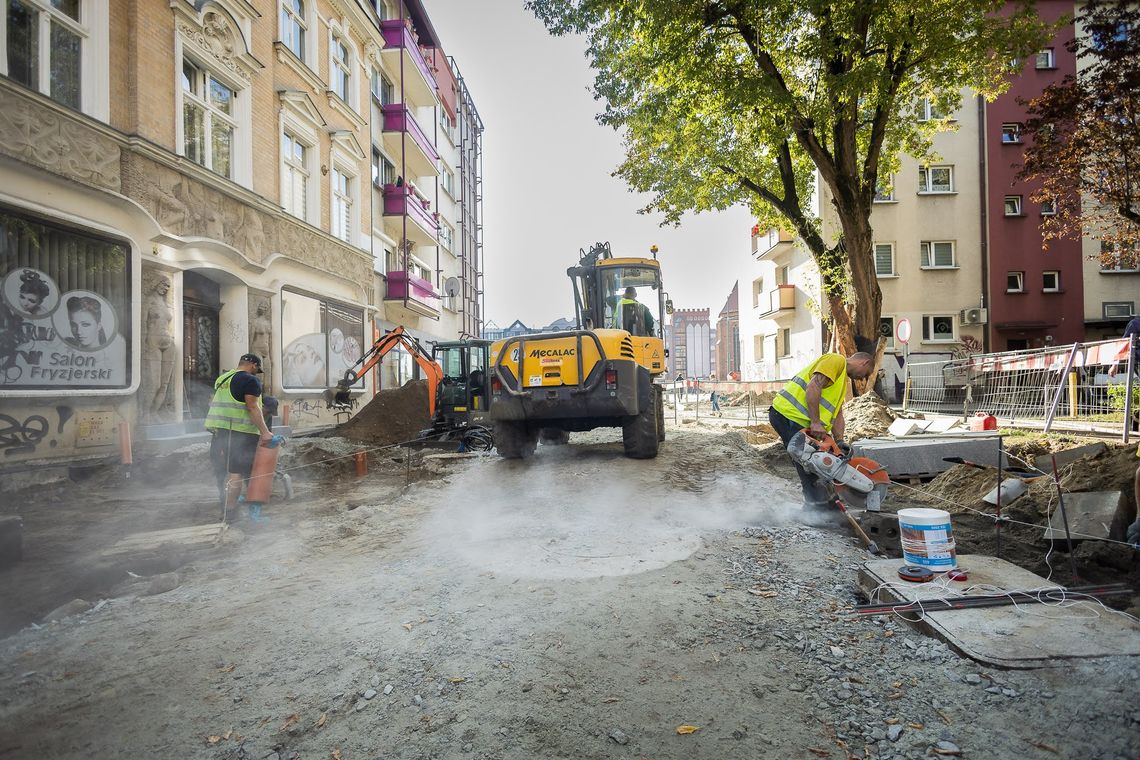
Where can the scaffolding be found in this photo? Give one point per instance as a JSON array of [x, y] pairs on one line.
[[470, 208]]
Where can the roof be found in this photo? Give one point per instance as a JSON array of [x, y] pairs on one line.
[[732, 305]]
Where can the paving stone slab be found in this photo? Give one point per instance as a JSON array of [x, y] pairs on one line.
[[1024, 636], [922, 456], [1092, 514]]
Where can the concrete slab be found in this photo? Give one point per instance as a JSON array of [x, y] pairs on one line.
[[921, 456], [1093, 514], [1068, 456], [942, 424], [901, 427], [1029, 636]]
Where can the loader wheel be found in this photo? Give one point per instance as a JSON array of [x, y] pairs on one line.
[[553, 437], [638, 434], [659, 403], [515, 441]]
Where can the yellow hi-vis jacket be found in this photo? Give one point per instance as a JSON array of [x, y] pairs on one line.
[[226, 413], [791, 401]]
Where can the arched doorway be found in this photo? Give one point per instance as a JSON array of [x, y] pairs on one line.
[[201, 327]]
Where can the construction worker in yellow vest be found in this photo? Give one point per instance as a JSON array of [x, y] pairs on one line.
[[237, 423], [813, 400], [631, 315]]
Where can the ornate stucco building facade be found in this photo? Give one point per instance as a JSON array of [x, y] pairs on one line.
[[185, 181]]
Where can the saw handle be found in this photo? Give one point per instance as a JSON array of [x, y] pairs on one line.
[[826, 443]]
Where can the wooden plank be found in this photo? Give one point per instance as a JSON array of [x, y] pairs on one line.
[[1029, 636], [186, 536]]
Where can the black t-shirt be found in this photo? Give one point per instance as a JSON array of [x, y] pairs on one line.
[[244, 384]]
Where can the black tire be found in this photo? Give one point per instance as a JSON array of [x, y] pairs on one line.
[[514, 440], [639, 433], [659, 403], [553, 437]]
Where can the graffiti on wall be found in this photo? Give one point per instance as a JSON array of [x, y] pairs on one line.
[[23, 434]]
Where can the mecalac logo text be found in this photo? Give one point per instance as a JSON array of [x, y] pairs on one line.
[[538, 353]]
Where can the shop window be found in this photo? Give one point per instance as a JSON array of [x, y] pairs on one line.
[[65, 307], [321, 339]]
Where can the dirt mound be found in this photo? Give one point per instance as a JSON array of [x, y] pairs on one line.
[[390, 417], [742, 398], [759, 434], [867, 416]]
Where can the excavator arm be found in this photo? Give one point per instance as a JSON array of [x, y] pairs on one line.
[[388, 341]]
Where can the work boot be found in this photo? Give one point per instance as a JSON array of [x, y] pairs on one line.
[[253, 509]]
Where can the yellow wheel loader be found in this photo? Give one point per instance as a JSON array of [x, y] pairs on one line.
[[544, 386]]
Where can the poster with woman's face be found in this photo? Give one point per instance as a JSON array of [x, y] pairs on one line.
[[85, 321], [30, 293]]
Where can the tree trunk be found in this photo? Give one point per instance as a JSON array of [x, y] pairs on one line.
[[856, 317]]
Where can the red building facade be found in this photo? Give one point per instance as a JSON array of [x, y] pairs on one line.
[[1036, 295]]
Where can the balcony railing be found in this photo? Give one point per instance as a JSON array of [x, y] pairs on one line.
[[771, 242], [418, 292], [402, 200], [782, 298], [397, 36], [422, 156]]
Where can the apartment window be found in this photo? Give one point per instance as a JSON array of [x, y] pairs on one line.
[[342, 204], [391, 261], [1011, 133], [1118, 309], [1045, 59], [383, 170], [1015, 282], [1051, 282], [341, 69], [208, 123], [447, 179], [887, 330], [927, 111], [1048, 208], [294, 175], [936, 254], [757, 292], [758, 347], [782, 274], [293, 26], [786, 341], [936, 179], [885, 259], [938, 328], [885, 190], [1013, 205], [382, 88], [44, 41], [321, 339], [446, 235], [1125, 260]]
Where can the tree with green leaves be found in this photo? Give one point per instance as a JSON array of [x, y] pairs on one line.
[[1083, 136], [723, 102]]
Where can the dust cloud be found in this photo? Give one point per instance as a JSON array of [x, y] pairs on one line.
[[574, 513]]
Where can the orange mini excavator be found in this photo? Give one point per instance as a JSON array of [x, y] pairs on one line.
[[341, 396]]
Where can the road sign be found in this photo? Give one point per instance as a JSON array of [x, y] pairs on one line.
[[902, 330]]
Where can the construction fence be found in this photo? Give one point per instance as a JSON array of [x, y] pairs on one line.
[[1084, 387], [745, 401]]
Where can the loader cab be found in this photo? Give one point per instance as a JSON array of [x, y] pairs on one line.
[[620, 293], [463, 393]]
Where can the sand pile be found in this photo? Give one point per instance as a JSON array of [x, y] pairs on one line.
[[867, 416], [390, 417], [759, 434], [741, 398]]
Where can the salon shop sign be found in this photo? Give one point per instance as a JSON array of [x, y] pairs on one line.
[[52, 339]]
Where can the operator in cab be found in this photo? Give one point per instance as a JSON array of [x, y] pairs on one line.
[[631, 315], [813, 400]]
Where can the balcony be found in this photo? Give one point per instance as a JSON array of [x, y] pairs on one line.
[[421, 296], [422, 159], [771, 243], [404, 203], [419, 84], [779, 302]]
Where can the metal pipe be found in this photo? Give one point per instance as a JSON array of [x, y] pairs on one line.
[[1064, 518], [1060, 387]]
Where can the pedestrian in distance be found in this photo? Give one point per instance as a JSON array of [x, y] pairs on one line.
[[813, 400], [237, 423], [714, 397]]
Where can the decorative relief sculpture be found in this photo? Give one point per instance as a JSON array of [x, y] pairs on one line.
[[261, 337], [160, 354], [43, 137]]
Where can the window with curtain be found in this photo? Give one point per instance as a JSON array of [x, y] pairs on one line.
[[65, 306], [294, 175]]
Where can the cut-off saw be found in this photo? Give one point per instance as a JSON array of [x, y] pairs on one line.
[[859, 482]]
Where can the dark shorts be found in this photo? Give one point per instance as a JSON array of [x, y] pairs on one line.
[[233, 452]]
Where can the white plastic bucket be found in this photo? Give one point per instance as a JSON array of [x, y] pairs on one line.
[[927, 539]]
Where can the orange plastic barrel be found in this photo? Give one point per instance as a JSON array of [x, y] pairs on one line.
[[260, 486]]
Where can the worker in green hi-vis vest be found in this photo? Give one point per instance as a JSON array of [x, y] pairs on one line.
[[237, 423], [813, 400]]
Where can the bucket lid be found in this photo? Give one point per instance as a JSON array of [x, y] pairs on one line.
[[924, 513]]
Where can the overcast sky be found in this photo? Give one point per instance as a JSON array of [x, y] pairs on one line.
[[547, 164]]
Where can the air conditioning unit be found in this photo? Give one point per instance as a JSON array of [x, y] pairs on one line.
[[973, 316]]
